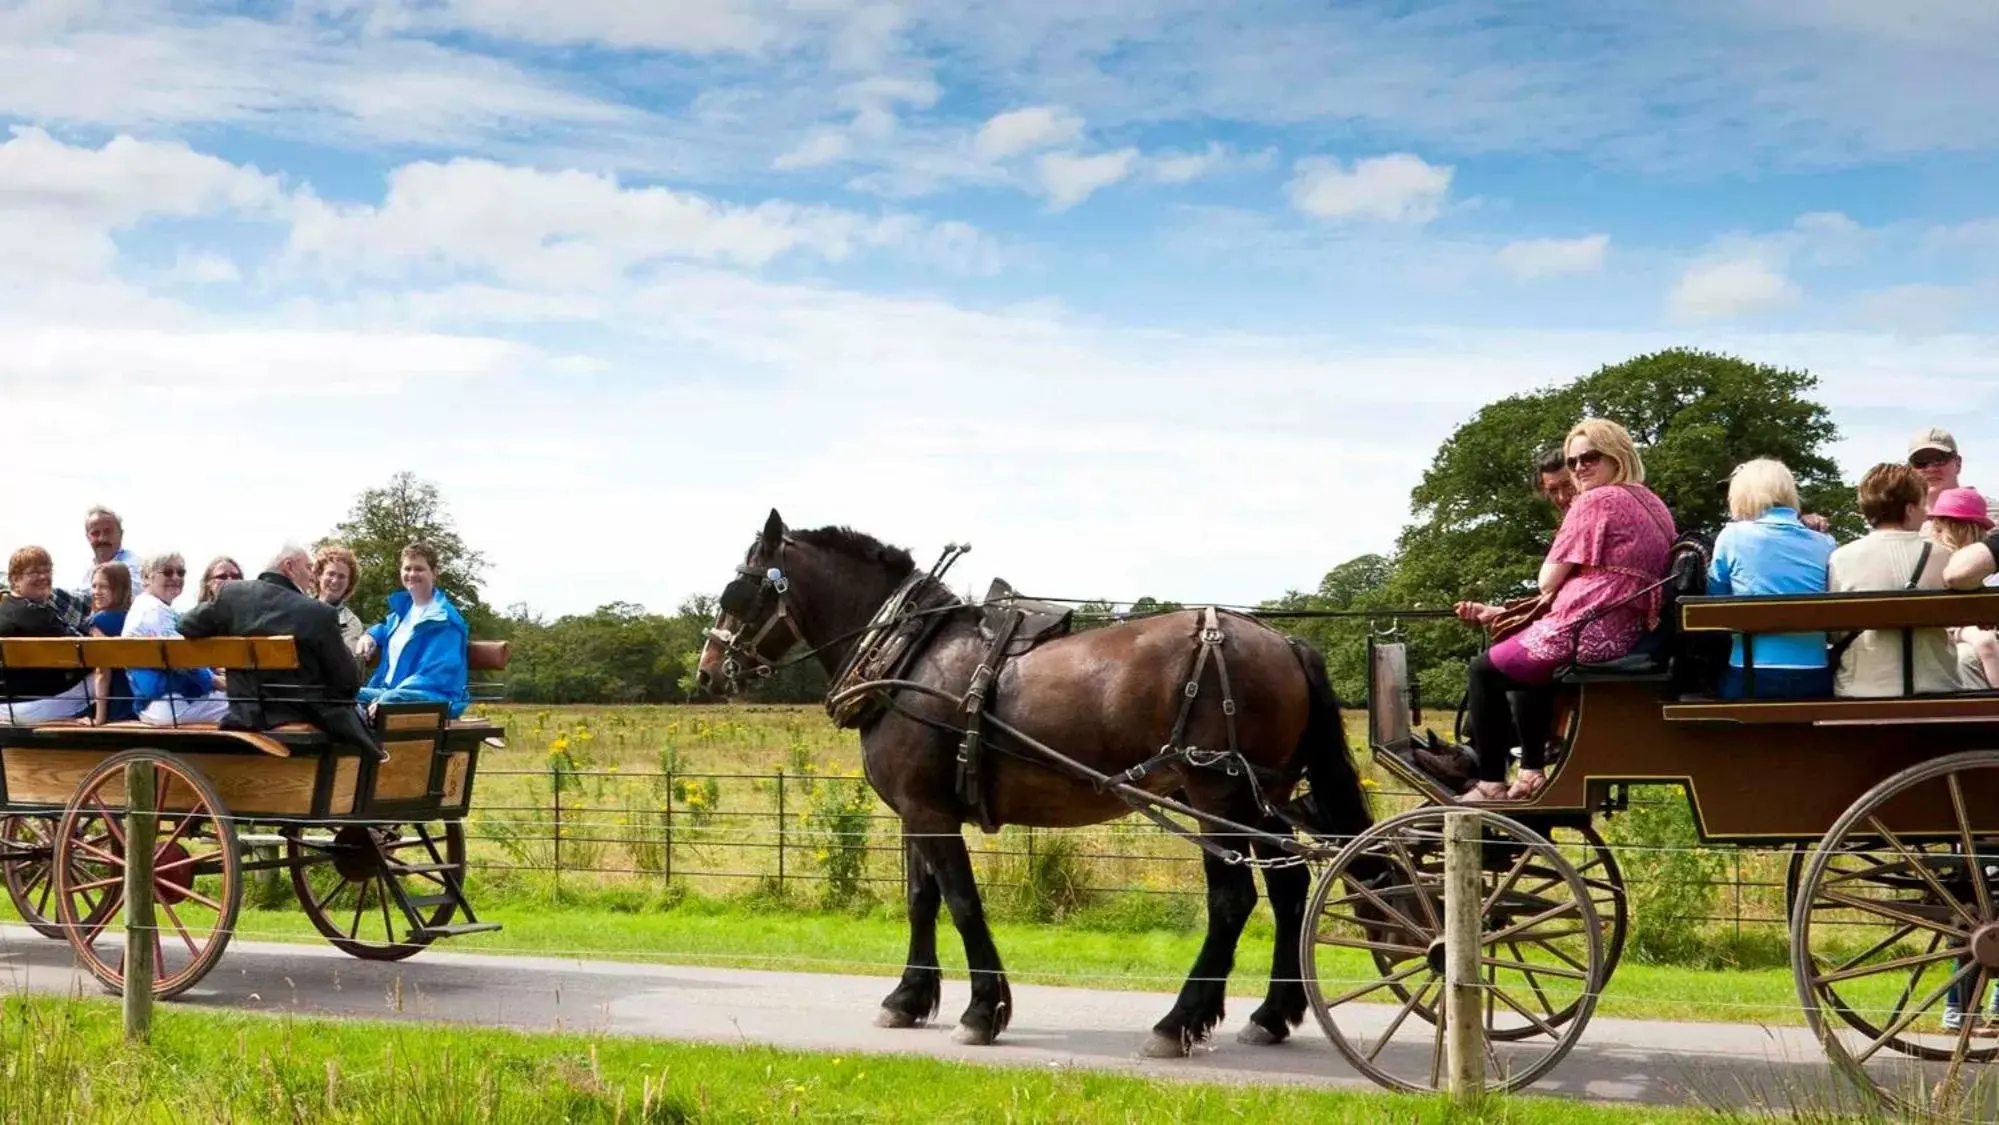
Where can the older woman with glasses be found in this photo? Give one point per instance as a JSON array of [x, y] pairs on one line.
[[37, 695], [165, 698], [1598, 597]]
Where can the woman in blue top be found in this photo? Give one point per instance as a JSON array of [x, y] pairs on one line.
[[1766, 550], [422, 643], [110, 599]]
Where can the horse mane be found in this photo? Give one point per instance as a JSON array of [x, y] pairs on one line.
[[859, 546]]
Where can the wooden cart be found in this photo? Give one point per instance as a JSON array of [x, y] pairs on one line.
[[1879, 802], [374, 847]]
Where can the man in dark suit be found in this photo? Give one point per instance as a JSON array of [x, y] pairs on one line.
[[321, 690]]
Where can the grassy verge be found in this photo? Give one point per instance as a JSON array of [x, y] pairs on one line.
[[64, 1061]]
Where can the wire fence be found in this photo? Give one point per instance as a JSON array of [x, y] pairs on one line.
[[803, 832]]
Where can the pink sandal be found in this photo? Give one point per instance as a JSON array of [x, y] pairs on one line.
[[1527, 786], [1485, 792]]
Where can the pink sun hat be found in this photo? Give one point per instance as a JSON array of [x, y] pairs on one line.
[[1962, 504]]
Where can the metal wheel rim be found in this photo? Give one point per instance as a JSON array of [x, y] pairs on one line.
[[1500, 1078], [1820, 1016], [308, 859], [205, 943]]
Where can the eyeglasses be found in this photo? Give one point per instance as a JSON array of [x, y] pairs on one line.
[[1929, 460], [1580, 460], [227, 576], [172, 572]]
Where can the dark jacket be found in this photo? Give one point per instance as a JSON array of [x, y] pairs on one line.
[[20, 617], [320, 691]]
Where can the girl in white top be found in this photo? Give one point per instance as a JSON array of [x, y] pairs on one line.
[[1889, 558]]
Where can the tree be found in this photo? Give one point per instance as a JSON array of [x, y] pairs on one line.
[[385, 520], [1481, 530]]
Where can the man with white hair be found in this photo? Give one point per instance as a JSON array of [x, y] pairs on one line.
[[321, 690]]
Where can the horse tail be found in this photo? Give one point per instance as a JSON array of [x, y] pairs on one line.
[[1338, 805]]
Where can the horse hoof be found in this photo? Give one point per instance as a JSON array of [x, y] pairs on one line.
[[971, 1036], [890, 1018], [1257, 1035], [1159, 1046]]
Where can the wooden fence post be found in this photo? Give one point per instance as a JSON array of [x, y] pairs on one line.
[[141, 826], [1463, 1004], [780, 833]]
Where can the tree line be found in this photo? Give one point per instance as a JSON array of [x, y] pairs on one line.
[[1478, 530]]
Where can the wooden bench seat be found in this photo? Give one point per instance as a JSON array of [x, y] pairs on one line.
[[1820, 613], [166, 653], [1967, 707]]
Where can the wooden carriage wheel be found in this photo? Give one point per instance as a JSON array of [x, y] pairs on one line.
[[1374, 930], [26, 864], [353, 881], [1607, 895], [1883, 926], [197, 883]]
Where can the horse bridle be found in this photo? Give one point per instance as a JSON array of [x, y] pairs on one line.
[[755, 587]]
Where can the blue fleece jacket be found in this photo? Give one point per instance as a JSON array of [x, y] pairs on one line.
[[433, 667]]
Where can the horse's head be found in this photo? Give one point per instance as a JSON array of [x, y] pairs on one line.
[[754, 625]]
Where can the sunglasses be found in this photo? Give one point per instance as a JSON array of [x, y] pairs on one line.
[[1582, 459], [1929, 460], [173, 572]]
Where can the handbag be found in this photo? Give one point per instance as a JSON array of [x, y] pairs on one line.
[[1517, 615]]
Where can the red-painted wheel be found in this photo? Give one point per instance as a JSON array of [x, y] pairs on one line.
[[27, 862], [197, 880]]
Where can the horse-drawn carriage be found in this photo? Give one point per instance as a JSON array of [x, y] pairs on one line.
[[1888, 808], [990, 715], [372, 837]]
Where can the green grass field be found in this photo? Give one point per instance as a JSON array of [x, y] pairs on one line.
[[65, 1061]]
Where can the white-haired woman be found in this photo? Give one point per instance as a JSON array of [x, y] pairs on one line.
[[1767, 550], [165, 698]]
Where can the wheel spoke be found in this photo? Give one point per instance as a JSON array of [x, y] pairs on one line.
[[1928, 876], [1416, 878], [1395, 978], [1981, 894], [1876, 906], [1500, 886], [1523, 967], [192, 949], [1395, 1025], [1898, 964], [1909, 1017]]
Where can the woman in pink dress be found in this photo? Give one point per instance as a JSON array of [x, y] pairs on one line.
[[1613, 546]]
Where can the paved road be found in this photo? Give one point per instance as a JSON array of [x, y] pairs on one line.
[[1621, 1060]]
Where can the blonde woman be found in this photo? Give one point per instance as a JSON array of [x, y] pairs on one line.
[[1959, 518], [1598, 588], [221, 569], [1768, 550], [335, 570]]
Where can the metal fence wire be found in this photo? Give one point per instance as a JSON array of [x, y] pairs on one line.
[[794, 831]]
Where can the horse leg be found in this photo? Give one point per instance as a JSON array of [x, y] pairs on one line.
[[1283, 1007], [916, 998], [992, 1000], [1231, 899]]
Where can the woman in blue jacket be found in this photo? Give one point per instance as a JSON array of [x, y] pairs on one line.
[[422, 643]]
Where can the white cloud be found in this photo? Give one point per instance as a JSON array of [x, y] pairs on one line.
[[1069, 178], [682, 25], [1545, 257], [1730, 287], [1184, 167], [123, 180], [204, 267], [577, 229], [822, 147], [1009, 134], [1400, 187]]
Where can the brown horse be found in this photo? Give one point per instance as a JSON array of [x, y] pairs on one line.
[[1107, 698]]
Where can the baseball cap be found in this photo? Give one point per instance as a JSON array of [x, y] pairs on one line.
[[1936, 437]]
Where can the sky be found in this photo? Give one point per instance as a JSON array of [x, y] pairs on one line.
[[1173, 299]]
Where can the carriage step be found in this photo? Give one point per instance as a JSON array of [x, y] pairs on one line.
[[425, 902], [458, 929]]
